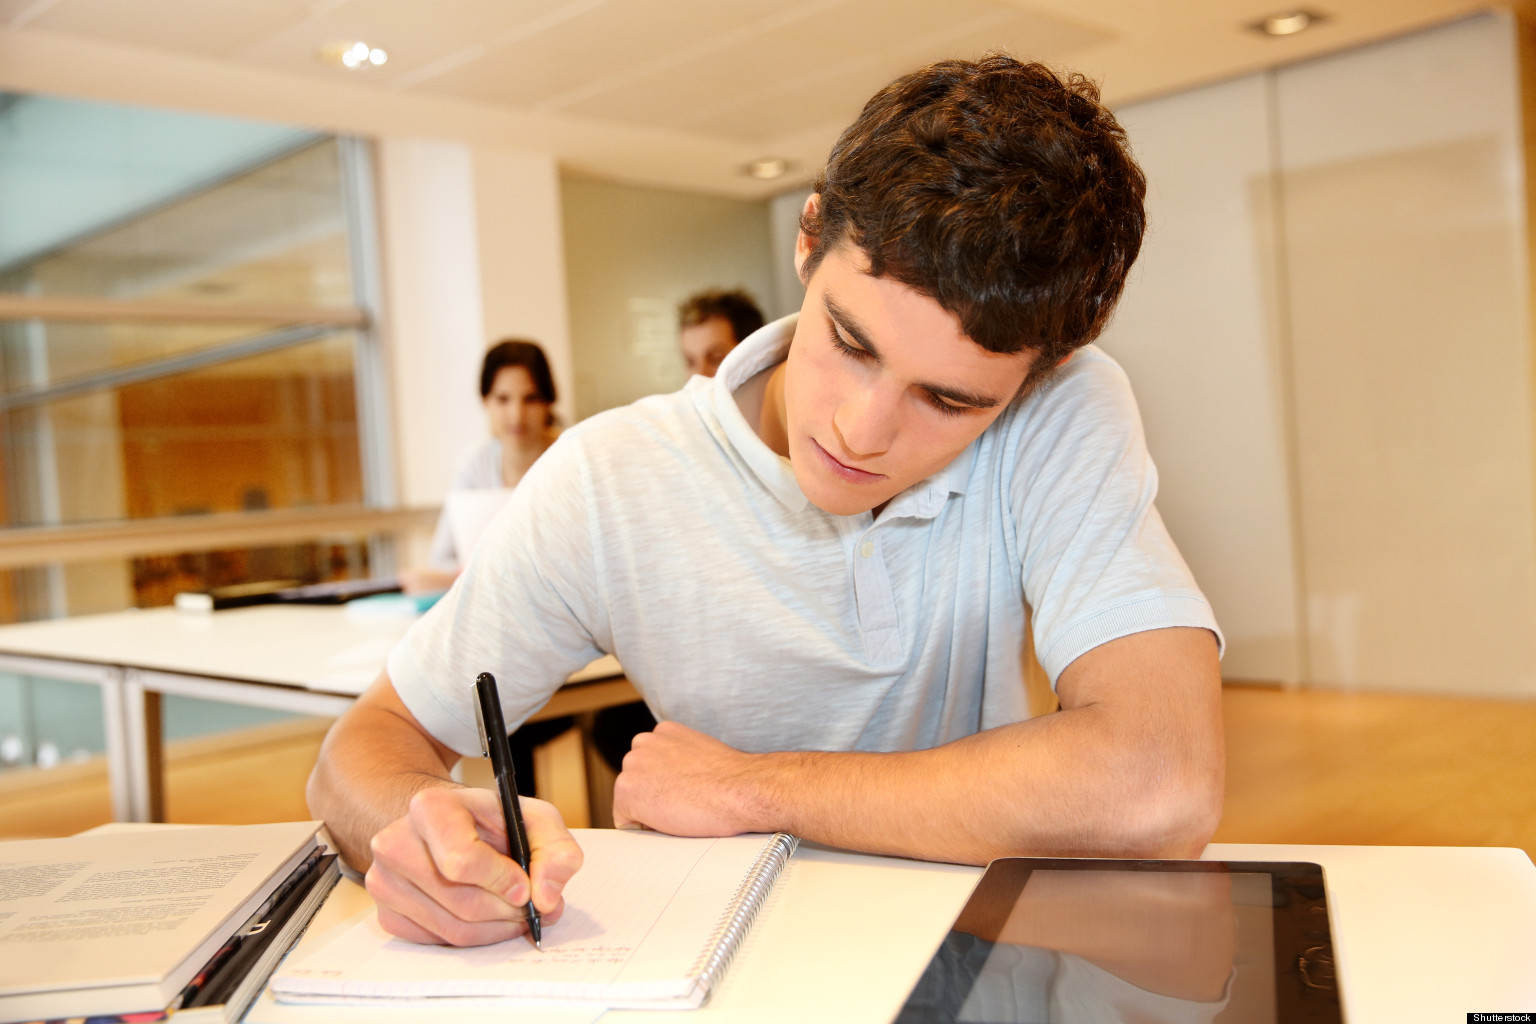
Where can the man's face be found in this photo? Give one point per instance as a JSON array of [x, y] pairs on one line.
[[882, 388], [706, 344]]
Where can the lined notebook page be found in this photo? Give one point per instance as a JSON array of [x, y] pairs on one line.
[[639, 915]]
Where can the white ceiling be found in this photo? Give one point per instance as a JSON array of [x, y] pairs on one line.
[[714, 82]]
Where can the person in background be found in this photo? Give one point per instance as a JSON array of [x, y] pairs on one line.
[[518, 393], [712, 323]]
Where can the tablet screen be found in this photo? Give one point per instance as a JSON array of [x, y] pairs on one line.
[[1136, 941]]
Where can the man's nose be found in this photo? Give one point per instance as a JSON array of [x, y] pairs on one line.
[[865, 423]]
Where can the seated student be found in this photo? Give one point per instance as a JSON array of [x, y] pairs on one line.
[[518, 393], [818, 566], [711, 324]]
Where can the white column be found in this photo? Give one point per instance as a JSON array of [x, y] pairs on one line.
[[522, 257], [436, 330]]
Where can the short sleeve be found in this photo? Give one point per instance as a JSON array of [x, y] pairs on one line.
[[1097, 561], [525, 608]]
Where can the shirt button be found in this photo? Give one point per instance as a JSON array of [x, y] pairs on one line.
[[867, 548]]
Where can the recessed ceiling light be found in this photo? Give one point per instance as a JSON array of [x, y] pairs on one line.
[[352, 55], [1288, 23], [767, 168]]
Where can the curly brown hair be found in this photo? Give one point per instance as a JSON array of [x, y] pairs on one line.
[[1003, 191]]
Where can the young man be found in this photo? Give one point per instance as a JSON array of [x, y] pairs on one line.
[[713, 323], [816, 566]]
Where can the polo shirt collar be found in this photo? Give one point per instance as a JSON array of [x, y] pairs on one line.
[[764, 349], [761, 350]]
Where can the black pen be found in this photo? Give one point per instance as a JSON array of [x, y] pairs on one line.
[[493, 740]]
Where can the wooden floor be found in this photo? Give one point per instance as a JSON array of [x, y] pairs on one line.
[[1377, 769], [1302, 767]]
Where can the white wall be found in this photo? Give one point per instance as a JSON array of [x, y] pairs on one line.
[[1199, 321], [1401, 167], [632, 255], [784, 228], [1329, 335]]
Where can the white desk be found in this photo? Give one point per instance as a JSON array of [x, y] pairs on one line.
[[1420, 934], [308, 659]]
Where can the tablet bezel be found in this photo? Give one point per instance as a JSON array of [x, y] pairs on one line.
[[1306, 988]]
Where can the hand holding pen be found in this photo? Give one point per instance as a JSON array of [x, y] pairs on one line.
[[493, 740], [435, 871]]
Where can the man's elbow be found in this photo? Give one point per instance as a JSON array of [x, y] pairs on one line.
[[316, 791], [1175, 817], [319, 789]]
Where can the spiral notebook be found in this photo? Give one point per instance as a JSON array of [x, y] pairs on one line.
[[651, 921]]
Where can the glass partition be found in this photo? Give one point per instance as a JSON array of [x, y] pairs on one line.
[[123, 202], [186, 311], [278, 430]]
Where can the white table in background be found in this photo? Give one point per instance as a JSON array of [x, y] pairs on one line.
[[307, 659], [1420, 934]]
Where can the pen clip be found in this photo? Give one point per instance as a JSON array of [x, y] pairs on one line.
[[485, 737]]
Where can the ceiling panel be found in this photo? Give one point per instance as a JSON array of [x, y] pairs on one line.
[[800, 72], [793, 107], [837, 94], [1026, 35], [211, 27], [11, 10], [611, 83], [399, 28], [884, 26], [672, 96], [619, 39]]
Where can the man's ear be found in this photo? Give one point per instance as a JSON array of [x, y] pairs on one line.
[[804, 243]]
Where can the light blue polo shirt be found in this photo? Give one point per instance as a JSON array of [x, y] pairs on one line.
[[666, 533]]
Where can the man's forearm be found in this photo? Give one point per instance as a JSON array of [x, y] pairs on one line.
[[1133, 766], [1045, 787], [371, 763]]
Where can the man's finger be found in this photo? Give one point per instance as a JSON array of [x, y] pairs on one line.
[[455, 839], [556, 857], [404, 878], [406, 911], [403, 927]]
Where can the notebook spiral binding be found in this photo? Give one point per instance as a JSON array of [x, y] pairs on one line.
[[742, 911]]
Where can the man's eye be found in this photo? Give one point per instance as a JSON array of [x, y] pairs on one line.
[[847, 348], [945, 406]]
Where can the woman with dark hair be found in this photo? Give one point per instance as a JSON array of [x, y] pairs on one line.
[[518, 393]]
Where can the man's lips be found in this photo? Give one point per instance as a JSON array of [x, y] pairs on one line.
[[850, 473]]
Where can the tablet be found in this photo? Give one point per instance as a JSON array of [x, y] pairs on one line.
[[1068, 940]]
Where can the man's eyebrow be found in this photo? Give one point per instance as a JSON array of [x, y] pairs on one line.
[[850, 324]]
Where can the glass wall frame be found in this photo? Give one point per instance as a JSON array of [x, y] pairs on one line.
[[192, 385], [256, 287]]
